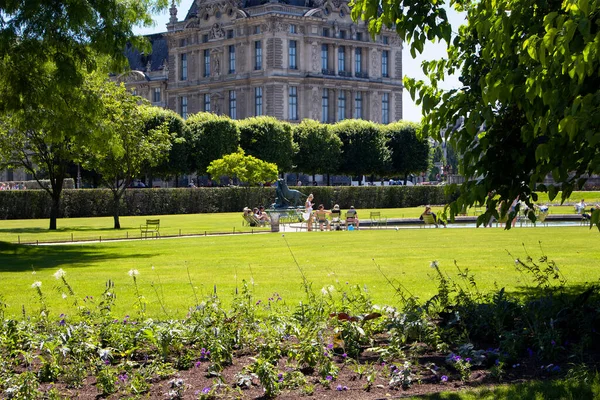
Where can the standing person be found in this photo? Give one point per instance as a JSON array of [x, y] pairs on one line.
[[308, 209]]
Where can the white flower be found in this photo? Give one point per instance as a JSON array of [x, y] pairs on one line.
[[434, 264], [64, 295], [133, 272], [36, 284], [517, 261], [59, 274]]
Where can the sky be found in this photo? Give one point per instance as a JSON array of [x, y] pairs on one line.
[[410, 66]]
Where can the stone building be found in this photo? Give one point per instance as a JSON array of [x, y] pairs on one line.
[[290, 59]]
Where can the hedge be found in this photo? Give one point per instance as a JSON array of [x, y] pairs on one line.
[[27, 204]]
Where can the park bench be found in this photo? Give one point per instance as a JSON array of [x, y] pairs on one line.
[[150, 227]]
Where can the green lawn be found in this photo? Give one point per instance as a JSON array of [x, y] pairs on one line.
[[268, 260]]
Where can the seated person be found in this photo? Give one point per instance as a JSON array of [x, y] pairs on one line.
[[321, 216], [248, 216], [336, 216], [588, 216], [435, 218], [580, 207], [352, 217], [262, 218], [263, 215]]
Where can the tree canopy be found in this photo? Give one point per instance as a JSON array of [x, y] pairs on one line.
[[268, 139], [530, 95], [408, 152], [68, 35], [319, 149], [248, 169]]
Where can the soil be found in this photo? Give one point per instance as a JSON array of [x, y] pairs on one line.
[[348, 385]]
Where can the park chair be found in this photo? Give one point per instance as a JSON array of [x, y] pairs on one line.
[[351, 219], [251, 220], [151, 227], [377, 219], [336, 220], [428, 221], [320, 218], [541, 217]]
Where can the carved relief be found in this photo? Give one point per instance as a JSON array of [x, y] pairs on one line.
[[315, 103], [314, 56], [241, 49], [216, 103], [375, 63], [217, 32], [215, 56], [376, 107]]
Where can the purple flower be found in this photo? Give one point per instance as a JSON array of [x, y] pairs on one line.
[[123, 377], [198, 364], [530, 352], [258, 302], [280, 377], [553, 343], [206, 390], [62, 322], [329, 378], [467, 359], [330, 346], [106, 362], [344, 355], [444, 378], [556, 368], [345, 388], [339, 388]]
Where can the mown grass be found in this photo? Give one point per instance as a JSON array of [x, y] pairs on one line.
[[101, 228], [536, 390], [271, 263]]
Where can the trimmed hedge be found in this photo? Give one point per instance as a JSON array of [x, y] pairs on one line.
[[27, 204]]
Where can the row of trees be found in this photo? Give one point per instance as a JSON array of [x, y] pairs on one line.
[[115, 135], [351, 147]]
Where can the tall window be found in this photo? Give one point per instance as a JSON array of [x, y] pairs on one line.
[[325, 106], [293, 103], [157, 96], [257, 55], [232, 59], [325, 57], [232, 105], [358, 106], [207, 102], [292, 54], [341, 105], [342, 59], [183, 107], [293, 28], [358, 60], [184, 67], [384, 64], [206, 62], [385, 108], [258, 101]]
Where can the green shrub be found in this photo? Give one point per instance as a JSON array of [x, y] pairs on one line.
[[27, 204]]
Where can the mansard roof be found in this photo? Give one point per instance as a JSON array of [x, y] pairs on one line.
[[160, 52]]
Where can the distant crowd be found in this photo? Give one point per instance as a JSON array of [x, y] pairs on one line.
[[12, 186]]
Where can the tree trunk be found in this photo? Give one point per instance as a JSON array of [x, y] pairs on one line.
[[177, 181], [405, 179], [116, 199], [328, 179], [314, 178], [54, 211]]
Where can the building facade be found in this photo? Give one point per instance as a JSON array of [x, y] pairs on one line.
[[291, 59]]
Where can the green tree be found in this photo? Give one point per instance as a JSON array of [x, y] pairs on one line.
[[133, 142], [530, 94], [44, 137], [178, 160], [409, 153], [245, 168], [67, 35], [319, 149], [211, 137], [363, 147], [268, 139]]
